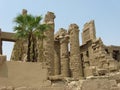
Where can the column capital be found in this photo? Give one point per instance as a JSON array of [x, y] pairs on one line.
[[72, 27], [49, 18], [63, 39]]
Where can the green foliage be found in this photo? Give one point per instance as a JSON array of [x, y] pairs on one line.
[[29, 27], [26, 24]]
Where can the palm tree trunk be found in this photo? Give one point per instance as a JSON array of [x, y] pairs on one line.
[[42, 57], [29, 47], [33, 50]]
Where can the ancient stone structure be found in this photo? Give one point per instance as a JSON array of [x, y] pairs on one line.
[[6, 36], [62, 37], [91, 58], [48, 42], [57, 57], [64, 60], [89, 32], [75, 60], [64, 57]]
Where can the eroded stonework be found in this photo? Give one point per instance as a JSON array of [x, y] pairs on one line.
[[67, 61]]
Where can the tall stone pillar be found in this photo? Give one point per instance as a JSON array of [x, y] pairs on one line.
[[48, 42], [75, 60], [39, 50], [64, 52], [0, 43], [56, 57]]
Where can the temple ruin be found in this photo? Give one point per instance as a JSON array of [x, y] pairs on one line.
[[63, 56]]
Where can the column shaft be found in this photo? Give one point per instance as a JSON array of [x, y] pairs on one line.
[[57, 57], [75, 60], [64, 57], [48, 43]]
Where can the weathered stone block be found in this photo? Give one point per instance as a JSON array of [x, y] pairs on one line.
[[115, 88], [21, 88], [2, 59], [90, 71], [10, 88], [3, 88], [113, 66], [98, 84], [113, 83], [101, 71]]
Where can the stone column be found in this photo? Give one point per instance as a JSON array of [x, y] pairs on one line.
[[39, 50], [0, 43], [75, 60], [48, 43], [64, 52], [56, 57]]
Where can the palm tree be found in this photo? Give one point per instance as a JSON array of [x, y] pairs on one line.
[[28, 27]]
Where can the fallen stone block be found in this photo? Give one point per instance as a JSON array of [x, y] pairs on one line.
[[3, 88]]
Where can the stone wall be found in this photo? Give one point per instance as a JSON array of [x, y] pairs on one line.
[[30, 88], [93, 84], [113, 51], [19, 52], [19, 74], [89, 32]]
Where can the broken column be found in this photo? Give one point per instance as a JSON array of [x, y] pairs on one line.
[[57, 65], [64, 52], [75, 60], [48, 42]]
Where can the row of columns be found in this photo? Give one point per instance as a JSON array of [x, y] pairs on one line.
[[66, 64], [57, 57]]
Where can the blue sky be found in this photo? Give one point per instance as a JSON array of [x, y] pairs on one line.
[[106, 14]]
